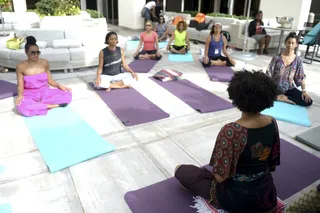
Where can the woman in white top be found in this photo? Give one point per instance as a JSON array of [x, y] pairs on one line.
[[146, 11]]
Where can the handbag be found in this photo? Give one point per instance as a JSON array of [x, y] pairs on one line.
[[14, 43]]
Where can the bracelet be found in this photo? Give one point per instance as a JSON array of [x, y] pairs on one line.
[[304, 90]]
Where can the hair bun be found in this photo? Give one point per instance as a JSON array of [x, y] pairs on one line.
[[293, 34], [31, 40]]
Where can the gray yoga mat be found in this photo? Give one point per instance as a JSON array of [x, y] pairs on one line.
[[142, 66], [311, 138], [7, 89], [298, 170], [130, 106], [220, 74], [196, 97]]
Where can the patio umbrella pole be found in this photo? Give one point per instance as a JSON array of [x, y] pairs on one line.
[[245, 54]]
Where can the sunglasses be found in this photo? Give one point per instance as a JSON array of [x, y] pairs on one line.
[[148, 25], [35, 52]]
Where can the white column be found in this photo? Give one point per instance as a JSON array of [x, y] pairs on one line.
[[83, 5], [216, 8], [231, 5], [20, 6], [199, 6], [182, 5], [130, 14], [164, 6], [299, 10]]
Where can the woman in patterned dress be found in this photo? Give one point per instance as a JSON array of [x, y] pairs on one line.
[[287, 71], [245, 153]]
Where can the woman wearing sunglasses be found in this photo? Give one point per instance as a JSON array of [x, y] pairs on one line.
[[149, 40], [162, 29], [34, 94]]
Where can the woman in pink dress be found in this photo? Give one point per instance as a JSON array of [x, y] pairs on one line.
[[35, 97]]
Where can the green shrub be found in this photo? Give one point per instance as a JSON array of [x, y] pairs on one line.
[[58, 7], [192, 13], [6, 5], [94, 14]]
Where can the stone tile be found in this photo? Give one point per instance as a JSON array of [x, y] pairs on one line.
[[97, 114], [60, 74], [22, 166], [111, 176], [7, 104], [85, 71], [200, 142], [15, 137], [161, 97], [150, 132], [121, 140], [196, 120], [50, 193], [8, 76], [80, 89], [169, 155]]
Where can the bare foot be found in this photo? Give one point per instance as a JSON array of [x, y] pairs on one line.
[[108, 90]]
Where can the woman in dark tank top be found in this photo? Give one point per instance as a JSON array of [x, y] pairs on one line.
[[216, 44], [111, 61]]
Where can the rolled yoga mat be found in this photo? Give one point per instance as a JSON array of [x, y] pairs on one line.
[[142, 66], [196, 97], [65, 139], [289, 113], [7, 89], [219, 73], [311, 138], [298, 170], [130, 106]]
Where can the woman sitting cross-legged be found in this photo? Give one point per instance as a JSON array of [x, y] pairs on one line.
[[216, 43], [149, 40], [287, 71], [34, 94], [181, 43], [245, 152], [111, 60], [162, 29]]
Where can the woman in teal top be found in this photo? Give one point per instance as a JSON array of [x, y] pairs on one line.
[[181, 43]]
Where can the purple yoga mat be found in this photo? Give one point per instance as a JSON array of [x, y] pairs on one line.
[[298, 170], [195, 96], [130, 106], [218, 73], [7, 89], [142, 66]]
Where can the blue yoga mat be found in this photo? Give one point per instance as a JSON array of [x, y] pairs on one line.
[[65, 139], [289, 113], [133, 45], [1, 170], [5, 208], [178, 57]]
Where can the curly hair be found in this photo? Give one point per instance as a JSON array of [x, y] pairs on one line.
[[252, 92], [184, 25]]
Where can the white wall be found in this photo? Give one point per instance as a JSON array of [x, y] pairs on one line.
[[298, 9], [20, 6], [130, 13]]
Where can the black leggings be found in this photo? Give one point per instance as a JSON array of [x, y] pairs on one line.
[[221, 58], [149, 52], [295, 95]]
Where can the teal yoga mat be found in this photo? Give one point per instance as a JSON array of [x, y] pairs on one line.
[[133, 45], [289, 113], [65, 139], [5, 208], [182, 58], [1, 170]]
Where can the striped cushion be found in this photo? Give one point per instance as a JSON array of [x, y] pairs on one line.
[[167, 75]]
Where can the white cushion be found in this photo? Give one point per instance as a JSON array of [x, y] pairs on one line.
[[84, 53], [42, 34], [50, 54], [41, 44], [66, 43], [5, 53]]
